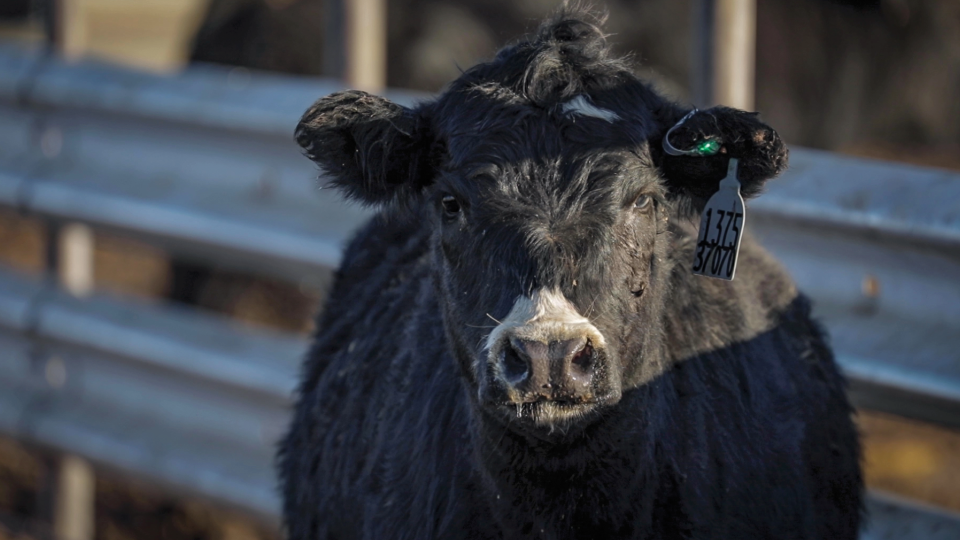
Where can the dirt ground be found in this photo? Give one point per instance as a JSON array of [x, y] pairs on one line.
[[912, 459]]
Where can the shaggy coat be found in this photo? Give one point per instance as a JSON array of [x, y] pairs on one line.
[[535, 189]]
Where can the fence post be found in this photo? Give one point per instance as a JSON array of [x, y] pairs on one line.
[[725, 53], [69, 28], [73, 505], [356, 46], [74, 264], [72, 483]]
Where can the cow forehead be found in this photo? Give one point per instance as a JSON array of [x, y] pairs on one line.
[[524, 149], [478, 112], [516, 145]]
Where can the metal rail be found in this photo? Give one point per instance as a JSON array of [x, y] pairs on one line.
[[150, 390], [877, 246], [203, 164]]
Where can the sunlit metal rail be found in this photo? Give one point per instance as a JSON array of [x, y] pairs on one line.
[[203, 164]]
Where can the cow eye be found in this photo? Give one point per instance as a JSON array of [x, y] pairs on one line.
[[451, 206], [643, 202]]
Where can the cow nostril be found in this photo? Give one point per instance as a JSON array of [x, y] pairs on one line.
[[584, 358], [515, 367]]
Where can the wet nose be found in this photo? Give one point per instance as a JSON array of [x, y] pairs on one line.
[[558, 370]]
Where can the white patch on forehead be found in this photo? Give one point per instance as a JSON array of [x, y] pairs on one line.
[[580, 105], [548, 316]]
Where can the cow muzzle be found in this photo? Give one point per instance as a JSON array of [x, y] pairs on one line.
[[559, 370], [546, 351]]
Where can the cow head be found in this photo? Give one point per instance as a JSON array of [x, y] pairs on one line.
[[542, 177]]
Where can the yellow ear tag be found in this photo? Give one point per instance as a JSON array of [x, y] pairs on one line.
[[721, 226]]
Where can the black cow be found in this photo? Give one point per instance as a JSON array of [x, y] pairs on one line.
[[516, 347]]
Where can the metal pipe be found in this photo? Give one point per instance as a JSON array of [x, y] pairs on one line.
[[366, 44]]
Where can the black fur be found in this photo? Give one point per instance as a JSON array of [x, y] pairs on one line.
[[733, 422]]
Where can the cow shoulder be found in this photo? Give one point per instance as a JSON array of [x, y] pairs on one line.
[[703, 313]]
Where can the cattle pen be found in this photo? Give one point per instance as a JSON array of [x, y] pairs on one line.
[[202, 165]]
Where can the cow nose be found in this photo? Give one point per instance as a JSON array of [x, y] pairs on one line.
[[560, 370]]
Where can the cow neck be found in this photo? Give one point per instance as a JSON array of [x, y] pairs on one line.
[[577, 482]]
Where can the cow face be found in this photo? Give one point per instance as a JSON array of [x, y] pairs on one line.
[[541, 177]]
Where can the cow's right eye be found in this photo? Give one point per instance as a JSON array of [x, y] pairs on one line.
[[451, 206]]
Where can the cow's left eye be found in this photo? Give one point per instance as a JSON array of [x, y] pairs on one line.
[[643, 202], [451, 206]]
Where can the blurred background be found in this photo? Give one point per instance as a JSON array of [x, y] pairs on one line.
[[163, 246]]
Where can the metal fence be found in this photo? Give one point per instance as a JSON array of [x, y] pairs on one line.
[[203, 165]]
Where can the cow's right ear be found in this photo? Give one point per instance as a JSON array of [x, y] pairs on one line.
[[374, 150]]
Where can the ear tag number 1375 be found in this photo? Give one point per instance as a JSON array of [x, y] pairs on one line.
[[721, 226]]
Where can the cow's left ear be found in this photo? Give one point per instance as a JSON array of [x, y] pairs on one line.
[[372, 149], [761, 153]]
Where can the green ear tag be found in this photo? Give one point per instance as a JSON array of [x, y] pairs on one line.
[[721, 226], [708, 147]]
